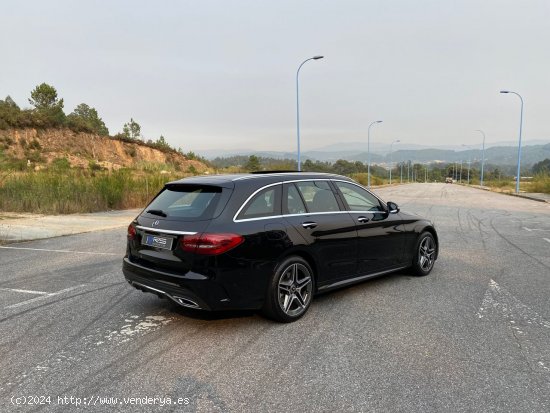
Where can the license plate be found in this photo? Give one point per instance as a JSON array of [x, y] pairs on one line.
[[157, 241]]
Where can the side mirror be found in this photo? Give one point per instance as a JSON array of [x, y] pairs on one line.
[[393, 208]]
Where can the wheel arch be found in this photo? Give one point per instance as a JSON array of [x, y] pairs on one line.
[[308, 257], [431, 230]]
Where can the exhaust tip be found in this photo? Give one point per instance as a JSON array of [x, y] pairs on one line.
[[183, 301]]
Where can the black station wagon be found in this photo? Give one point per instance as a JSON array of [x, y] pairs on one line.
[[270, 241]]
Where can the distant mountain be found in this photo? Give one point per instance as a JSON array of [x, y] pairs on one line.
[[504, 153], [496, 155], [383, 147]]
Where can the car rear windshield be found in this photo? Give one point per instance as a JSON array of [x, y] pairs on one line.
[[186, 202]]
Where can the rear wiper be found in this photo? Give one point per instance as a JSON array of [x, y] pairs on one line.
[[157, 212]]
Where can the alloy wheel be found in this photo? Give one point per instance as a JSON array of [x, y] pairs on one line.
[[295, 289], [426, 254]]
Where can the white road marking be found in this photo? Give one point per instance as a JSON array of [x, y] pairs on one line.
[[498, 302], [130, 329], [17, 290], [67, 251], [43, 297], [501, 301], [77, 351], [546, 239], [535, 229]]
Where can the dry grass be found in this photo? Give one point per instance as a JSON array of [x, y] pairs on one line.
[[540, 183], [73, 191]]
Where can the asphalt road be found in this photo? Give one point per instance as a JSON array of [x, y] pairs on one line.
[[474, 335]]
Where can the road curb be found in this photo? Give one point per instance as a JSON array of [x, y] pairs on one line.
[[532, 198], [486, 188]]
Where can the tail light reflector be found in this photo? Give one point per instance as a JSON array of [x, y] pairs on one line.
[[131, 232], [210, 244]]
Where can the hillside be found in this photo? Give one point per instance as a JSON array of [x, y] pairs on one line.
[[496, 155], [38, 148]]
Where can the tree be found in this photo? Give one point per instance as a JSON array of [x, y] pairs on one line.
[[85, 118], [9, 113], [132, 130], [343, 167], [253, 163], [542, 167], [47, 107], [162, 144]]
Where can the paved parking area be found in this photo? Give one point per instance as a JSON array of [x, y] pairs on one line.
[[22, 227], [472, 336]]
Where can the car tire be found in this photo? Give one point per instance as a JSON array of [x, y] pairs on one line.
[[290, 290], [424, 254]]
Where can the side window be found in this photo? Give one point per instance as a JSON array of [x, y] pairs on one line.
[[357, 198], [265, 203], [318, 196], [293, 203]]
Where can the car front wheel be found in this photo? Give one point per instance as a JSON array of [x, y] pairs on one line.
[[424, 257], [290, 290]]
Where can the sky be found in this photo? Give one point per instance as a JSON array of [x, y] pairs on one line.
[[221, 74]]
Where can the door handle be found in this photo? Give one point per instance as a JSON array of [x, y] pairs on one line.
[[309, 224], [362, 219]]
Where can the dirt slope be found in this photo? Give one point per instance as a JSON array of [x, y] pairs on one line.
[[41, 147]]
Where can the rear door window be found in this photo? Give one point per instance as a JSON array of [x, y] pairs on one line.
[[318, 196], [186, 202]]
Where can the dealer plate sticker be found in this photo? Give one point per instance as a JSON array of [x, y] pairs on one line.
[[157, 241]]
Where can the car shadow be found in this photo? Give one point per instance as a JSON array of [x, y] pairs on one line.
[[368, 283], [209, 315], [320, 298]]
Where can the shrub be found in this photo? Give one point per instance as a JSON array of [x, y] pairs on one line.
[[540, 183], [60, 164], [94, 166]]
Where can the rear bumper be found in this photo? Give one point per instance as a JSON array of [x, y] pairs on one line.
[[191, 290]]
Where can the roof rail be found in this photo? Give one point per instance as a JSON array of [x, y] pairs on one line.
[[273, 172]]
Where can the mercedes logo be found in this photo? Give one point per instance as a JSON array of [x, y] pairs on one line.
[[156, 223]]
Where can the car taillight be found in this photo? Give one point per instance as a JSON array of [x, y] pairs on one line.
[[131, 232], [210, 244]]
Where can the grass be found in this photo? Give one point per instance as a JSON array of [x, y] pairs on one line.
[[500, 185], [363, 178], [74, 190], [540, 183], [64, 190]]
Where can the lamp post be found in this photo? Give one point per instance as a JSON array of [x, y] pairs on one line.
[[368, 151], [461, 171], [469, 162], [391, 158], [298, 106], [482, 156], [401, 181], [519, 144]]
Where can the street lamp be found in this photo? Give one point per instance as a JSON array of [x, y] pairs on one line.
[[482, 156], [520, 128], [469, 162], [368, 150], [298, 106], [391, 159]]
